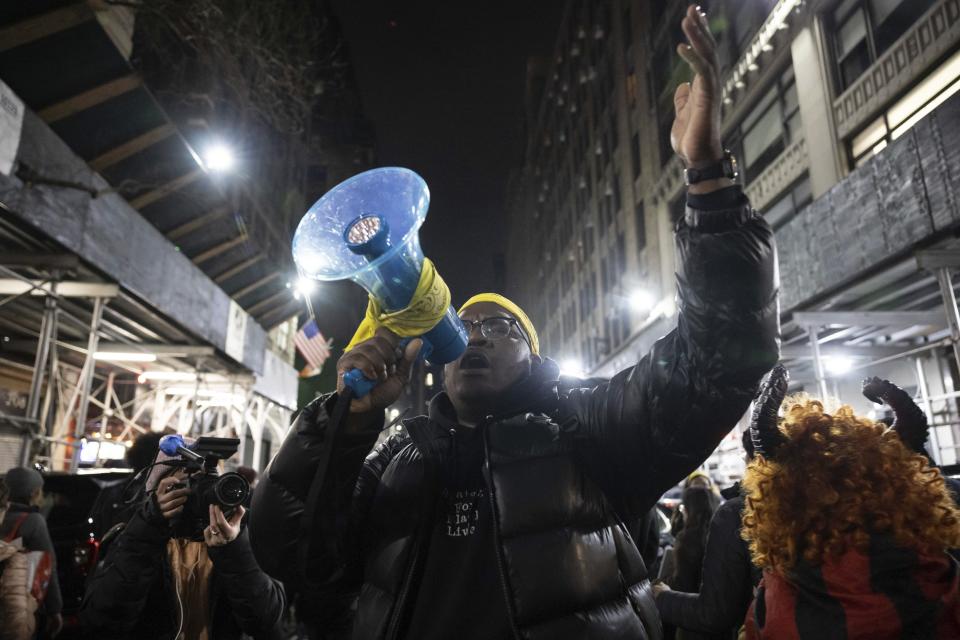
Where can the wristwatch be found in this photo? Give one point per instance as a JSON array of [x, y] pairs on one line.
[[726, 168]]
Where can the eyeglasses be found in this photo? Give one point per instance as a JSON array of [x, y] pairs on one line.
[[495, 327]]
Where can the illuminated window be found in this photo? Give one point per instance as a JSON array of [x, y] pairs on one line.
[[767, 130], [926, 96], [864, 29]]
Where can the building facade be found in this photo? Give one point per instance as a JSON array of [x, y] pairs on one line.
[[842, 116]]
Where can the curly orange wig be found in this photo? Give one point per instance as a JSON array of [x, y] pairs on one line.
[[837, 479]]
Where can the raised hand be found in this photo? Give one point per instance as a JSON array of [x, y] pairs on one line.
[[695, 134]]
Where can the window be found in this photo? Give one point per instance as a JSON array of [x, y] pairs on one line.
[[632, 88], [795, 199], [621, 257], [769, 128], [745, 21], [588, 243], [864, 29], [641, 225], [926, 96], [663, 131], [616, 192]]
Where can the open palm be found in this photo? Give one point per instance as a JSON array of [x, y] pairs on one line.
[[695, 134]]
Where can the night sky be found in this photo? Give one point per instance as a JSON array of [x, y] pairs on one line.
[[443, 83]]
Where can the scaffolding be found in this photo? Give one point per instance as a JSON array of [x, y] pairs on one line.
[[87, 407], [936, 388]]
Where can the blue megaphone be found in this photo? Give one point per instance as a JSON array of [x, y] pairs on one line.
[[365, 230]]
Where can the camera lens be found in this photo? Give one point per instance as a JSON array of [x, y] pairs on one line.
[[231, 489]]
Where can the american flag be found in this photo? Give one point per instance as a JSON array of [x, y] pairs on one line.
[[312, 345]]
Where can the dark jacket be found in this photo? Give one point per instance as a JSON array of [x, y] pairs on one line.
[[36, 537], [563, 472], [726, 586], [131, 594]]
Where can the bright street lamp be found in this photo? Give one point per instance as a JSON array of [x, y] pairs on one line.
[[571, 367], [642, 300], [121, 356], [178, 376], [218, 157], [837, 365], [305, 286]]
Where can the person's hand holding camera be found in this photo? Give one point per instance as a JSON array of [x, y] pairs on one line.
[[222, 530], [172, 494]]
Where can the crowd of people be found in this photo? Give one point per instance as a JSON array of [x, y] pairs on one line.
[[523, 504]]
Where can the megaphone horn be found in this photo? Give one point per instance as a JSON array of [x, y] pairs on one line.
[[365, 230]]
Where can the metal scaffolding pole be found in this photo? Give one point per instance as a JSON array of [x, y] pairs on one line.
[[818, 363], [928, 409], [940, 262], [86, 382], [950, 306], [47, 328]]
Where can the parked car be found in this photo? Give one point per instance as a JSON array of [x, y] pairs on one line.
[[80, 508]]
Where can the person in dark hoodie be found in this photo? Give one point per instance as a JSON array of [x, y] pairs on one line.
[[161, 581], [501, 513], [850, 524], [717, 609]]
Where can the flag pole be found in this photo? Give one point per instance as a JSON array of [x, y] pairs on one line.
[[306, 297]]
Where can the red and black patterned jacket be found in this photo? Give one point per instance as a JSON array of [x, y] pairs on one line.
[[888, 593]]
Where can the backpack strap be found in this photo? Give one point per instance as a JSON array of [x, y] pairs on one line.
[[308, 519], [10, 537]]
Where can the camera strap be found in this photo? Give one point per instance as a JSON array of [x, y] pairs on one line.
[[340, 411]]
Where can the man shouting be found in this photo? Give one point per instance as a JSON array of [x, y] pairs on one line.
[[501, 514]]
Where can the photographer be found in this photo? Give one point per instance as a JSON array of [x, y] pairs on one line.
[[161, 580]]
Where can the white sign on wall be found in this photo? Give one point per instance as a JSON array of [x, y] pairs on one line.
[[11, 122], [236, 331]]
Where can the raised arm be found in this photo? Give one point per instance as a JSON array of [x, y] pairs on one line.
[[655, 422]]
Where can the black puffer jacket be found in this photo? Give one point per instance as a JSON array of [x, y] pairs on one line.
[[131, 594], [727, 582], [561, 486]]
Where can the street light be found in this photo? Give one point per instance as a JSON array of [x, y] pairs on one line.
[[218, 157], [120, 356], [642, 300], [571, 367], [837, 365], [305, 286], [178, 376]]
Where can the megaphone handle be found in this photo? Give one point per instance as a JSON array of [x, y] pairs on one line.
[[358, 383], [362, 385]]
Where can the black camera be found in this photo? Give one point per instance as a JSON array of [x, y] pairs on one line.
[[207, 486]]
